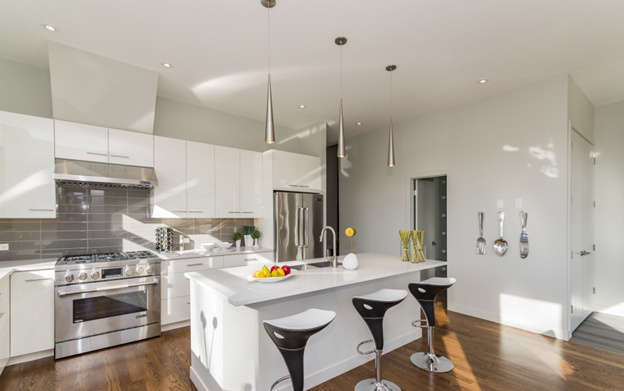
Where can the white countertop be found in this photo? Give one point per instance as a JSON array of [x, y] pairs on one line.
[[8, 267], [211, 253], [234, 284]]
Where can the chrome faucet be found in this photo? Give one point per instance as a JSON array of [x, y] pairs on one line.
[[335, 260]]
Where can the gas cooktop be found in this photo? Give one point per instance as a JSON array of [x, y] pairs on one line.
[[105, 257]]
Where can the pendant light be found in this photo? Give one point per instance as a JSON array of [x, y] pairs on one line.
[[340, 41], [391, 161], [269, 132]]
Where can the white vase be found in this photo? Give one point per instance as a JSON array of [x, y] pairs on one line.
[[248, 240], [350, 262], [255, 243], [238, 243]]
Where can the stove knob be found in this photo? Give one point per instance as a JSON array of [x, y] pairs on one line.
[[82, 276], [69, 277], [150, 269], [139, 269], [128, 271], [95, 274]]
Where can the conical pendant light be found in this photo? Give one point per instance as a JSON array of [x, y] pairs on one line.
[[391, 161], [269, 132], [340, 41]]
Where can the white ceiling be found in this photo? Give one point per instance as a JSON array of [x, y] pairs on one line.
[[219, 50]]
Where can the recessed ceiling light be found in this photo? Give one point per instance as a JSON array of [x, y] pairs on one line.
[[302, 106], [167, 65], [483, 81], [358, 123], [50, 28]]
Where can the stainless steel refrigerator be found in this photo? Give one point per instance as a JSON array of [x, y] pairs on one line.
[[298, 224]]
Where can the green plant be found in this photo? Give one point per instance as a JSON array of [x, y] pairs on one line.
[[237, 236], [255, 234]]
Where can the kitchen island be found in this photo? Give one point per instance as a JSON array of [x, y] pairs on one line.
[[231, 350]]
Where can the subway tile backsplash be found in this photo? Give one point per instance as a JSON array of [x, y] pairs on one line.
[[93, 219]]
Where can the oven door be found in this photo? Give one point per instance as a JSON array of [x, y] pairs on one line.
[[102, 307]]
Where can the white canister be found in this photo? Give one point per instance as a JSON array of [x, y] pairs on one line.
[[350, 262]]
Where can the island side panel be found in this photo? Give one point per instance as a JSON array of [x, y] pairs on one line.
[[243, 355]]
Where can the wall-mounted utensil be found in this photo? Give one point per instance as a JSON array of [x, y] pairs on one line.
[[500, 245], [524, 238], [481, 244]]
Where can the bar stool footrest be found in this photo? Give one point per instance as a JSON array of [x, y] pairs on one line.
[[371, 385], [366, 352], [431, 363], [422, 323], [278, 381]]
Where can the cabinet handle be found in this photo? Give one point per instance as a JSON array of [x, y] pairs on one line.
[[96, 153], [121, 156], [40, 210], [233, 212], [250, 259], [194, 264], [178, 211], [195, 211], [38, 279], [293, 185], [246, 212], [304, 185]]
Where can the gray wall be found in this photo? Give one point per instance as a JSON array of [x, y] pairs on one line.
[[25, 89]]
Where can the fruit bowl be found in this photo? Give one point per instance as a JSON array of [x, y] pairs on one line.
[[269, 280], [224, 245]]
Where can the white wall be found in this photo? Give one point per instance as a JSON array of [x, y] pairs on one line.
[[512, 145], [609, 190], [25, 89]]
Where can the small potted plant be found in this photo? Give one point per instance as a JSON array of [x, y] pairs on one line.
[[236, 237], [255, 235]]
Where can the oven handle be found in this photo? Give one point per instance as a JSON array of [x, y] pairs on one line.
[[105, 288]]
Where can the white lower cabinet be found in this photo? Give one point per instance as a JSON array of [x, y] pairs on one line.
[[32, 311], [5, 344], [175, 288]]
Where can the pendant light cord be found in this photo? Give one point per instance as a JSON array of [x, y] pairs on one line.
[[269, 37]]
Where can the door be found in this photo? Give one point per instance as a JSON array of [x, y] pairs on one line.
[[581, 230], [430, 215]]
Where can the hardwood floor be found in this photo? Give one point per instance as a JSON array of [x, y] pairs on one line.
[[487, 356], [601, 331]]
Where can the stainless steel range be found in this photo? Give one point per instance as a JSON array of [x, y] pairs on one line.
[[105, 299]]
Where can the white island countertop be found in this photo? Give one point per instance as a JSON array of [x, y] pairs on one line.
[[237, 287]]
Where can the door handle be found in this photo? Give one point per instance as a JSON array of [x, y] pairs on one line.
[[299, 228], [583, 253], [306, 213]]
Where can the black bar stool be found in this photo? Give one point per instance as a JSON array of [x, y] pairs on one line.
[[290, 334], [372, 308], [425, 293]]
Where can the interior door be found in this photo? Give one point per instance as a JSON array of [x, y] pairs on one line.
[[581, 230]]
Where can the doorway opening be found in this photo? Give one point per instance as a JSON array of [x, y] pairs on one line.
[[430, 214]]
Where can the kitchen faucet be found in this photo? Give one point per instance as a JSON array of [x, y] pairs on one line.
[[335, 260]]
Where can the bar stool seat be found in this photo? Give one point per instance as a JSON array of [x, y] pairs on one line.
[[290, 334], [425, 293], [372, 308]]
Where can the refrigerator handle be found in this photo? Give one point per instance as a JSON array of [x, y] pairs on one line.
[[299, 228], [306, 216]]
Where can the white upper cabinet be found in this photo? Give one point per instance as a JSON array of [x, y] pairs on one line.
[[169, 197], [238, 180], [200, 179], [97, 144], [27, 189], [130, 148], [295, 172], [186, 179]]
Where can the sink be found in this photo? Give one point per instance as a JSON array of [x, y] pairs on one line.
[[314, 265]]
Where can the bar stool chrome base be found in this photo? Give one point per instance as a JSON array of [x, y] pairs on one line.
[[431, 362], [372, 385]]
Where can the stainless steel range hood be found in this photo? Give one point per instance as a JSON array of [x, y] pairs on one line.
[[83, 173]]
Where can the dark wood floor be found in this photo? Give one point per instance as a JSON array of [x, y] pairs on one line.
[[487, 356], [601, 331]]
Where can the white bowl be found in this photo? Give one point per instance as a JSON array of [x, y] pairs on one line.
[[224, 245], [207, 246]]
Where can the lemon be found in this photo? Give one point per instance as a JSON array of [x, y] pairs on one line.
[[350, 232], [259, 274], [266, 271]]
